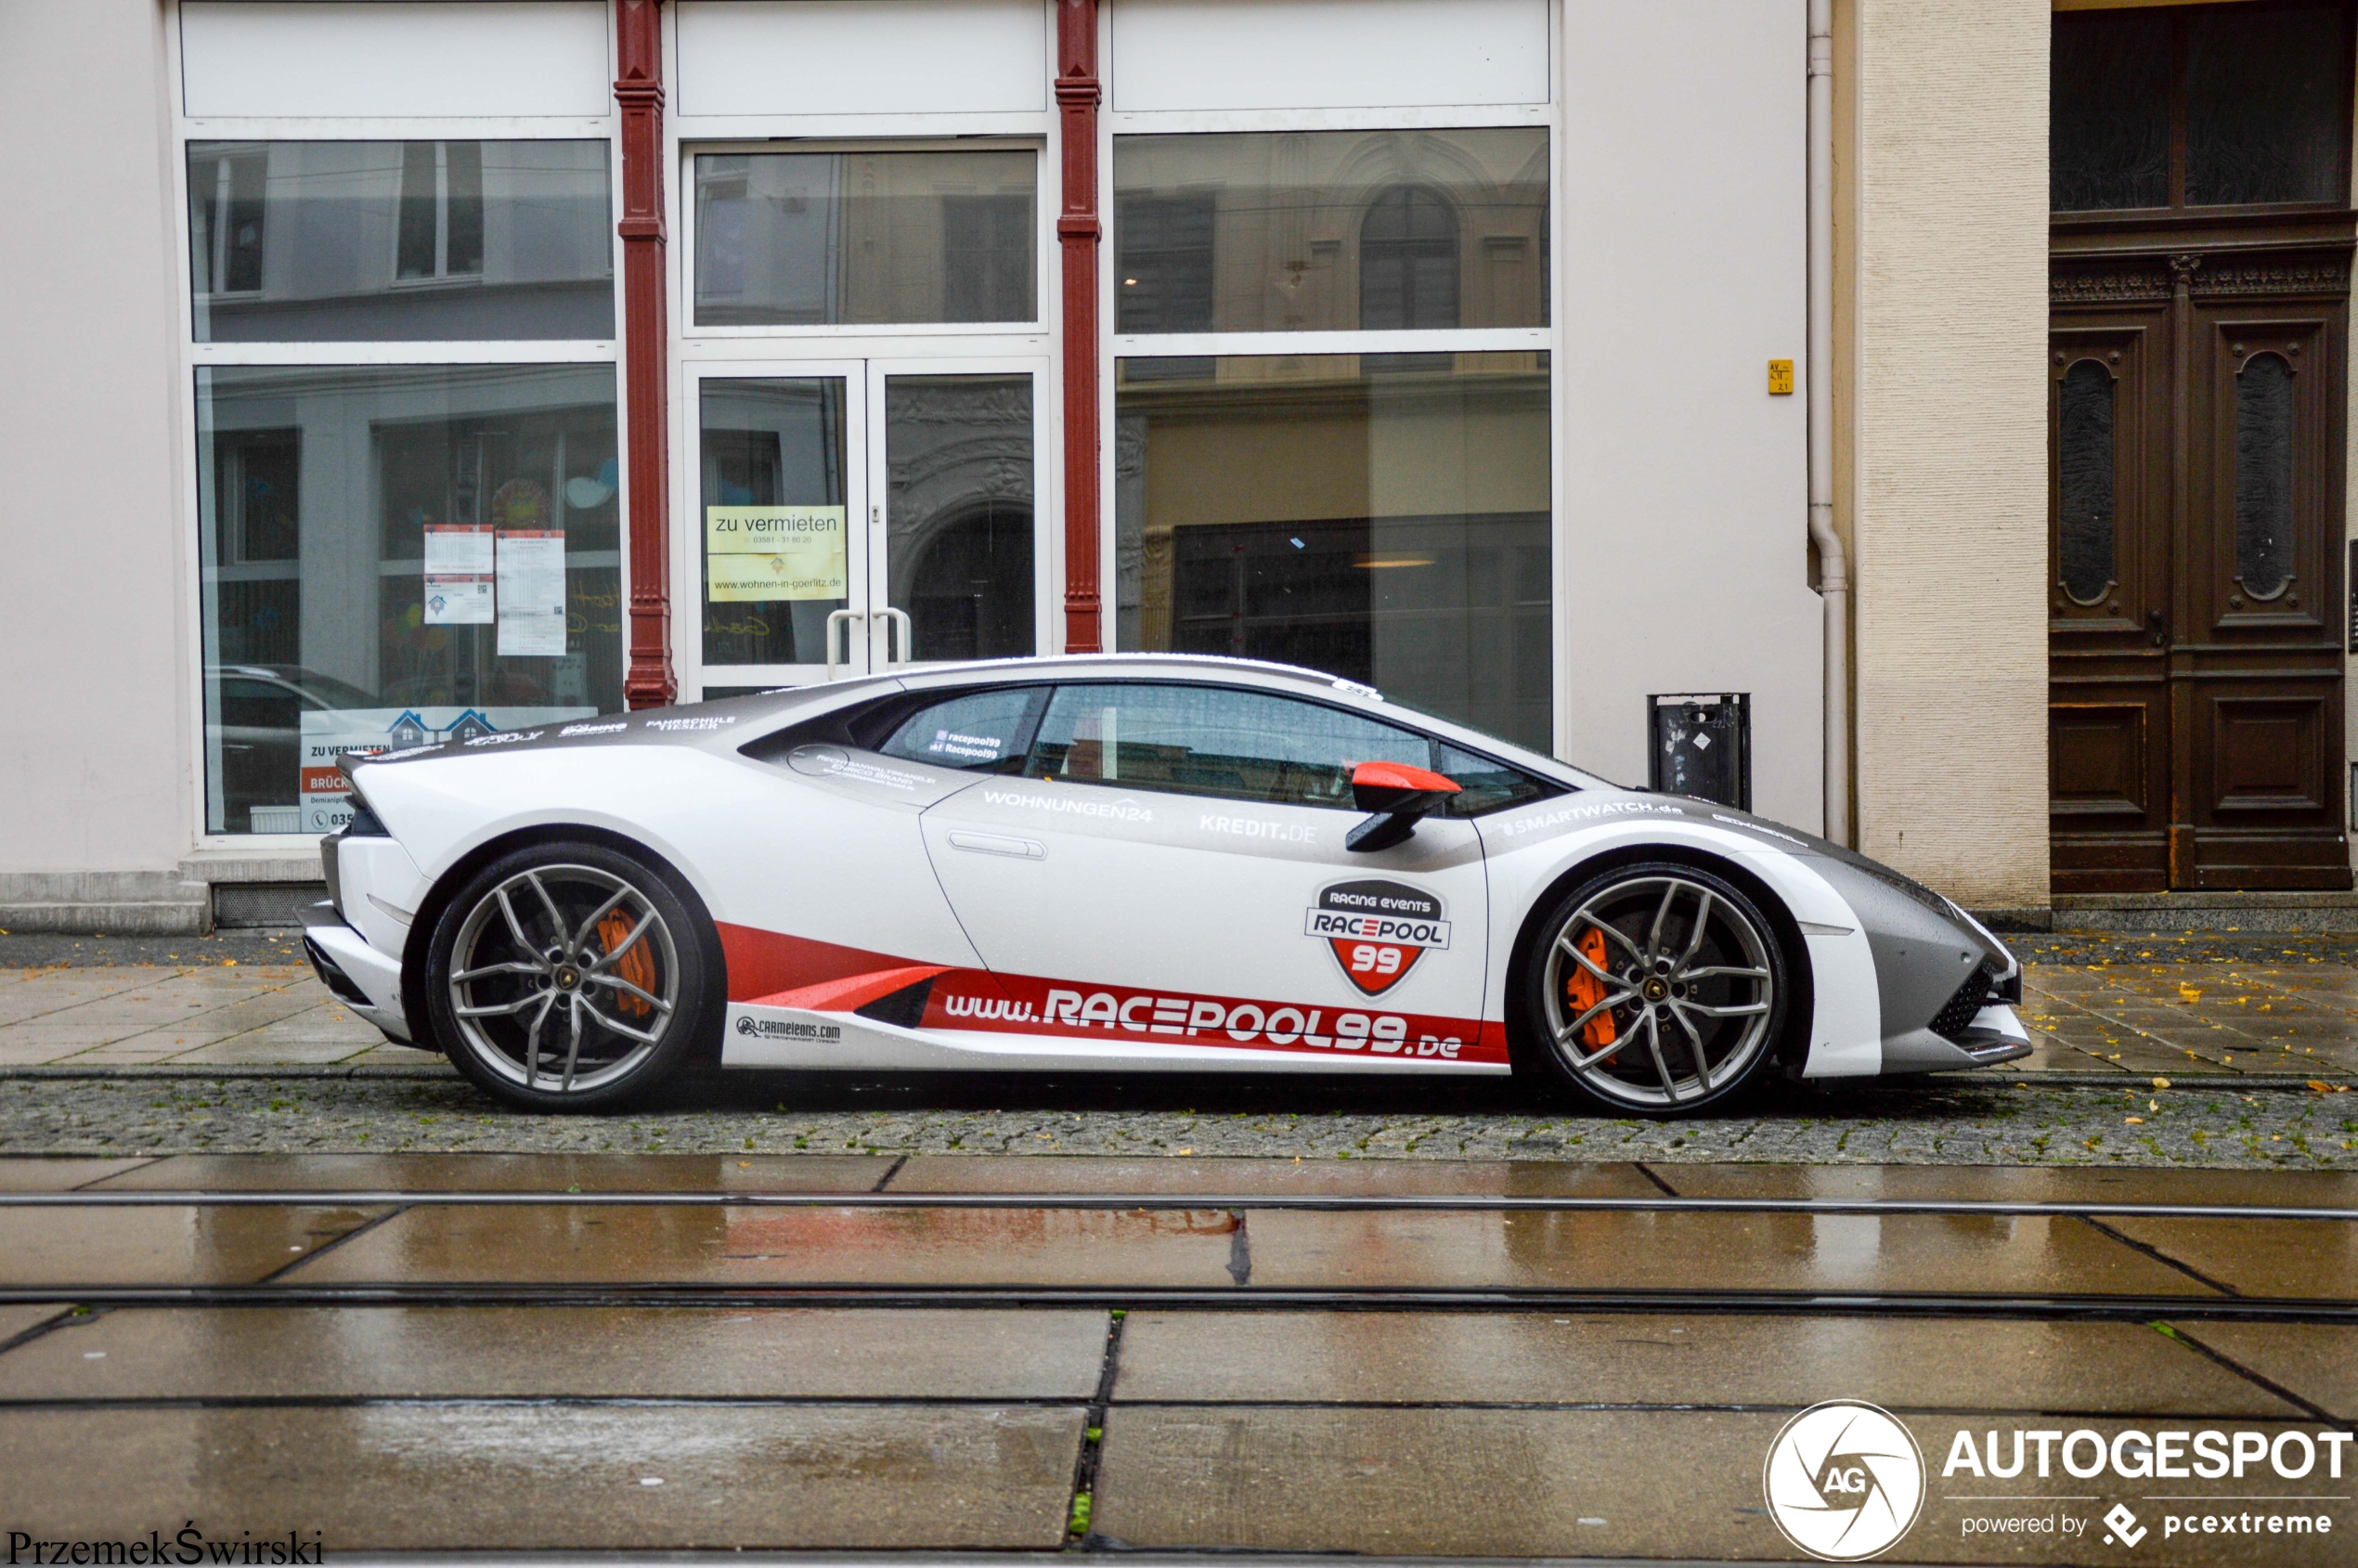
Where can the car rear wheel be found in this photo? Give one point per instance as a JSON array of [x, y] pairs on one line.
[[1656, 989], [569, 977]]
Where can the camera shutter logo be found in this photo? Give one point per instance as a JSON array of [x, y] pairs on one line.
[[1844, 1480]]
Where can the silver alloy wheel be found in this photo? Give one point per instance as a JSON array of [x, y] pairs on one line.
[[547, 967], [1685, 984]]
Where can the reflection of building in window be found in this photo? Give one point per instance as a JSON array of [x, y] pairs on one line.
[[257, 543], [441, 234], [986, 256], [329, 242], [958, 450], [226, 189], [1409, 262], [1166, 263], [1385, 523], [1332, 230], [797, 239]]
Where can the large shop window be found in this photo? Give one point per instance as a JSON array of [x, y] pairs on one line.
[[395, 555], [827, 238], [360, 241], [1384, 518], [1332, 230]]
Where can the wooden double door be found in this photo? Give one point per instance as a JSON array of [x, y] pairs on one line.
[[2197, 618]]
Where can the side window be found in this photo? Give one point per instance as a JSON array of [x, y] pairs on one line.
[[1214, 741], [980, 731], [1488, 787]]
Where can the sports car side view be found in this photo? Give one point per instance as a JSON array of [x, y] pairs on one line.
[[1124, 863]]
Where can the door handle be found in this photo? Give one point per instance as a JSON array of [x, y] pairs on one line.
[[2157, 629], [898, 620], [993, 844], [834, 619]]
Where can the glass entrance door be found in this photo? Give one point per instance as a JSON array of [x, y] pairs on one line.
[[852, 517]]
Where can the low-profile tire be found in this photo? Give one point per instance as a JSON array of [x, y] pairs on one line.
[[571, 977], [1686, 1009]]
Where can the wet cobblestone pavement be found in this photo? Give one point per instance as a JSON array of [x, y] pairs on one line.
[[1986, 1123]]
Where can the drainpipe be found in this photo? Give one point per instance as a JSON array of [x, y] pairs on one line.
[[1834, 565]]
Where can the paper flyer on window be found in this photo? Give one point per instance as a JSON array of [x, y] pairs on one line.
[[532, 594], [458, 562], [328, 735], [764, 553]]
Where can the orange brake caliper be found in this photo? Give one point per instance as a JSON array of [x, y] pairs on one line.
[[637, 966], [1584, 990]]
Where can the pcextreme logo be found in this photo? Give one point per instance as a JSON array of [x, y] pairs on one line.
[[1844, 1480]]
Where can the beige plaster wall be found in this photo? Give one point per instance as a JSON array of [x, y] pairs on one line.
[[94, 768], [1947, 263]]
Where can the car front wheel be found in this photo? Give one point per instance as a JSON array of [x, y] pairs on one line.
[[568, 977], [1656, 989]]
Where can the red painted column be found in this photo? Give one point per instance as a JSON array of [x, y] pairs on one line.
[[646, 352], [1077, 229]]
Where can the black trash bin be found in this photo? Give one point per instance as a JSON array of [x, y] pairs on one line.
[[1701, 747]]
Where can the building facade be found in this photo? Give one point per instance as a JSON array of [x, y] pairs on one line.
[[387, 371]]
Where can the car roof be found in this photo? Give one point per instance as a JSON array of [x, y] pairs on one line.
[[1261, 673]]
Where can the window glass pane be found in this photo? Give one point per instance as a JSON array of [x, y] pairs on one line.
[[2267, 110], [2264, 476], [360, 241], [981, 732], [1217, 740], [2085, 482], [958, 512], [815, 238], [1484, 785], [2108, 111], [394, 556], [1388, 525], [1300, 231], [772, 481]]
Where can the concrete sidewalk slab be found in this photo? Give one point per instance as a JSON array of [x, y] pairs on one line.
[[499, 1173], [164, 1245], [1728, 1252], [2016, 1184], [1242, 1177], [59, 1172], [1616, 1358], [596, 1244], [482, 1478], [2316, 1361], [2313, 1259], [518, 1352]]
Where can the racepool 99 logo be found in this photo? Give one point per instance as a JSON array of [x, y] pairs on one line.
[[1376, 930]]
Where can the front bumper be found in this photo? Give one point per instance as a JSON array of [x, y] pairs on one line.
[[358, 974], [1995, 1035]]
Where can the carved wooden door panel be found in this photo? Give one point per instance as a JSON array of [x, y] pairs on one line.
[[2195, 546], [2110, 598], [2257, 658]]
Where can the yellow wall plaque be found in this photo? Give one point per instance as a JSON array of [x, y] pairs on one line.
[[760, 554]]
